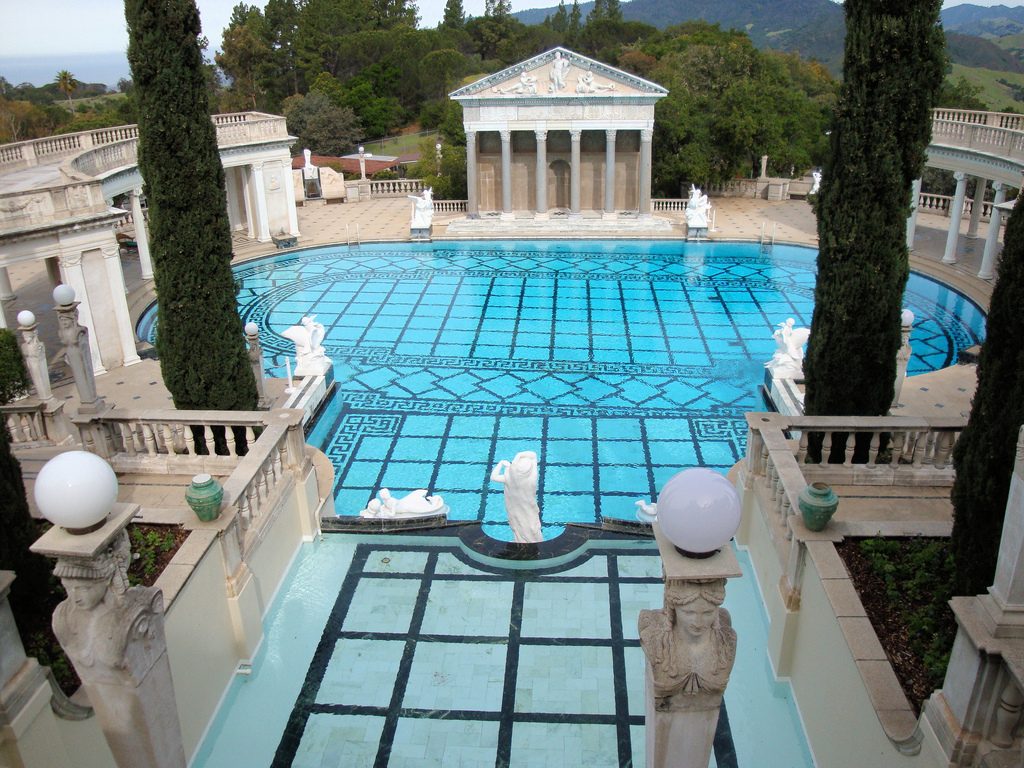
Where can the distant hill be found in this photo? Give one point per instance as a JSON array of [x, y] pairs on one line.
[[815, 29], [993, 21]]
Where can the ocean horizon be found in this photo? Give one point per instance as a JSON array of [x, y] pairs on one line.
[[106, 68]]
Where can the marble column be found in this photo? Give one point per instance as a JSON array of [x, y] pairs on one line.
[[646, 138], [574, 173], [609, 173], [988, 258], [542, 174], [956, 211], [6, 291], [472, 183], [289, 199], [977, 205], [74, 276], [262, 214], [915, 199], [141, 235], [119, 300], [506, 174]]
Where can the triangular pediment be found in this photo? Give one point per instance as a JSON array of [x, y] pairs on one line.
[[559, 73]]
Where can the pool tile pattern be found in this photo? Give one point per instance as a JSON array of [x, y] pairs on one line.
[[546, 665]]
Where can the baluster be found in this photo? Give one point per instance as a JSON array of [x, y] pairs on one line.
[[920, 448], [876, 438], [262, 475], [26, 428], [127, 438], [944, 446], [252, 491], [190, 439], [244, 510], [1007, 715], [251, 435], [896, 448], [801, 453], [169, 439], [275, 454], [826, 448], [149, 439], [787, 510], [851, 443], [770, 473]]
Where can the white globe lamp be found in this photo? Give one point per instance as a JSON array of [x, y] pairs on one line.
[[906, 318], [698, 511], [251, 329], [63, 294], [76, 490], [26, 318]]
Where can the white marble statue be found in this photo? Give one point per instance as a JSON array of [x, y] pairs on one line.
[[520, 477], [585, 83], [816, 186], [423, 209], [527, 86], [788, 360], [559, 69], [310, 358], [415, 504], [646, 511], [308, 169], [697, 207]]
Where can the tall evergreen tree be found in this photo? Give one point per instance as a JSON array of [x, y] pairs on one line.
[[892, 71], [200, 339], [17, 532], [575, 23], [984, 455], [454, 15]]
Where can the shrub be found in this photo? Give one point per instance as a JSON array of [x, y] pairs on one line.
[[14, 380]]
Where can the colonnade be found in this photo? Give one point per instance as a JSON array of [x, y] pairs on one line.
[[623, 169], [956, 209]]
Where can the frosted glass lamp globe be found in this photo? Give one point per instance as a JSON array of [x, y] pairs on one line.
[[63, 294], [252, 329], [26, 318], [76, 490], [906, 318], [698, 511]]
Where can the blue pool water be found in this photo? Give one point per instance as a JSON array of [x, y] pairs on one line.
[[619, 362]]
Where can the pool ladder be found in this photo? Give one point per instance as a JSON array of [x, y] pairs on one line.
[[767, 245], [348, 235]]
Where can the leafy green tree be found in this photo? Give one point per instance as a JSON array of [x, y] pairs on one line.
[[572, 32], [441, 69], [200, 342], [244, 55], [320, 125], [892, 72], [984, 454], [559, 22], [281, 74], [66, 84], [454, 15]]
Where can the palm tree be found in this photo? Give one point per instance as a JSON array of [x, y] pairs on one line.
[[66, 84]]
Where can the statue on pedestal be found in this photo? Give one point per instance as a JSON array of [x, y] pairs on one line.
[[697, 207], [788, 360], [520, 477], [422, 211], [310, 359], [415, 504], [75, 340]]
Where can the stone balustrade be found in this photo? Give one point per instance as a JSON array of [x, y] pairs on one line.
[[669, 205], [26, 424], [940, 205], [450, 206], [232, 129], [395, 188]]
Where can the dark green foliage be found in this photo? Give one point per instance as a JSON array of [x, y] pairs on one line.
[[14, 379], [149, 544], [984, 455], [17, 531], [321, 126], [200, 341], [882, 125], [918, 578]]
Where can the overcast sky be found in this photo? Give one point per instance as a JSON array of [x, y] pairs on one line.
[[44, 27]]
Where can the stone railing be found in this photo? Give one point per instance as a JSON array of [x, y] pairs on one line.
[[1003, 142], [395, 187], [940, 204], [232, 129], [668, 205], [1009, 120], [450, 206], [27, 424], [35, 207]]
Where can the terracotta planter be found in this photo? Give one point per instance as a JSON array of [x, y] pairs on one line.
[[817, 505], [204, 495]]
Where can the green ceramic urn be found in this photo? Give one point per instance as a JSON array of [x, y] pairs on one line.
[[818, 503], [204, 495]]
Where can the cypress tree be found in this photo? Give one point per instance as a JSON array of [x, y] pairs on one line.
[[984, 455], [200, 338], [892, 71]]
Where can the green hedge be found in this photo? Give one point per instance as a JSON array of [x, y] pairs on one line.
[[14, 380]]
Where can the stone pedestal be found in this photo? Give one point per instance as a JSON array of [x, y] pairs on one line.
[[114, 636], [690, 648], [255, 353]]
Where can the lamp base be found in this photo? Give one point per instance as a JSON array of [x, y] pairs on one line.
[[696, 555]]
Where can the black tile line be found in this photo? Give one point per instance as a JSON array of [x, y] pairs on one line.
[[625, 322], [543, 575], [514, 341], [380, 306], [623, 736], [412, 313], [554, 317], [440, 452], [447, 314], [661, 324], [508, 695], [724, 746], [387, 735], [483, 314], [596, 470], [582, 642], [651, 487], [552, 718], [297, 720]]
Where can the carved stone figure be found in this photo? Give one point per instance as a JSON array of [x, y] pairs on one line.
[[697, 207], [559, 69], [585, 83], [816, 186], [34, 352], [310, 359], [114, 636], [423, 209], [646, 512], [788, 360], [415, 504], [527, 85], [520, 477], [75, 340], [690, 647]]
